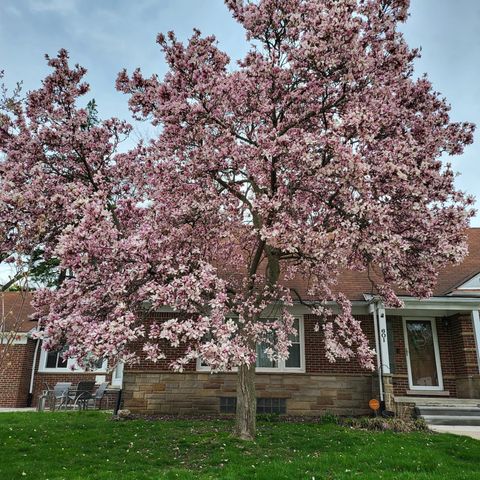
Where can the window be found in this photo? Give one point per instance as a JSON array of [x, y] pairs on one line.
[[272, 405], [97, 364], [294, 363], [228, 404], [264, 405], [263, 361], [117, 375], [294, 359], [54, 362]]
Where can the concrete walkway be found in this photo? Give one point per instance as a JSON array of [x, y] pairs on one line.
[[466, 430], [2, 410]]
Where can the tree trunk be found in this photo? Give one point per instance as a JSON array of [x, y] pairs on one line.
[[245, 427]]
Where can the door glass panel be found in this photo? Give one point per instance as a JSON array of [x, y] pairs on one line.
[[421, 350]]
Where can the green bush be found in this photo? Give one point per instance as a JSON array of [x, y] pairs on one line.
[[329, 418], [268, 417], [383, 424]]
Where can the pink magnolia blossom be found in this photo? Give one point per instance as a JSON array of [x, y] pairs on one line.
[[319, 152]]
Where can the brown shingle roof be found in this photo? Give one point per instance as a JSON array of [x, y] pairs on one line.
[[453, 276], [354, 284]]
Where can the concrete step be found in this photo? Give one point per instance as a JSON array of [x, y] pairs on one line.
[[452, 420], [443, 402], [421, 410]]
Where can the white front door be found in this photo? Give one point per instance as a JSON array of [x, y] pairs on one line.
[[423, 355]]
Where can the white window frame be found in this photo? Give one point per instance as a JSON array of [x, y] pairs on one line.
[[280, 368], [71, 367], [436, 348]]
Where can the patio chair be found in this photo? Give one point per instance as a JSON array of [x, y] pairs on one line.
[[57, 396], [98, 396], [81, 395]]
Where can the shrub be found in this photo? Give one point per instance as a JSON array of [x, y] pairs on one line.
[[384, 424]]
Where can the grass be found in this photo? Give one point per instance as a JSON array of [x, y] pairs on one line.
[[88, 445]]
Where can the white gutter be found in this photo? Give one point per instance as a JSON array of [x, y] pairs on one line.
[[446, 303]]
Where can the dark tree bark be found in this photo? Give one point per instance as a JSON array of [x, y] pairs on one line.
[[246, 403]]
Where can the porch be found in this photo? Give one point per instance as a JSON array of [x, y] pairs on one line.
[[427, 350]]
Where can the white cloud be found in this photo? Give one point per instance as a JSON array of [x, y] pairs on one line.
[[62, 7]]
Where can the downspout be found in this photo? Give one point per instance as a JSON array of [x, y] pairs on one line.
[[379, 356], [32, 376]]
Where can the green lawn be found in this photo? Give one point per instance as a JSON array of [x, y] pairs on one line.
[[88, 445]]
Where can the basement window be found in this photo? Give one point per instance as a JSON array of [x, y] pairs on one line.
[[264, 405], [228, 404], [272, 405]]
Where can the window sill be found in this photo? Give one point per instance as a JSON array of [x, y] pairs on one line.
[[68, 370], [258, 370], [429, 393]]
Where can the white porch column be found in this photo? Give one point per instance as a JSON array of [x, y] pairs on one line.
[[476, 331], [382, 326]]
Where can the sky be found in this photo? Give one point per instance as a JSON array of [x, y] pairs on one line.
[[106, 36]]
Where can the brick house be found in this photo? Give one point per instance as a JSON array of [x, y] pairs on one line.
[[427, 349], [26, 367]]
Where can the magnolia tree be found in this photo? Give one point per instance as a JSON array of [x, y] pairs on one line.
[[52, 154], [317, 152]]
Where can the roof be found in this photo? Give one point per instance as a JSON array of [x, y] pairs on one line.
[[353, 284], [454, 276], [16, 308]]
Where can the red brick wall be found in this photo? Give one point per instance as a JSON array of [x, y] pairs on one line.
[[463, 345], [170, 352], [447, 357], [400, 378], [15, 375], [315, 359]]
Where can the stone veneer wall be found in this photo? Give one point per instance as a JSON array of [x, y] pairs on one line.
[[198, 393]]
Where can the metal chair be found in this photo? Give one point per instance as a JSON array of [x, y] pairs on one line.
[[98, 396], [81, 395], [57, 396]]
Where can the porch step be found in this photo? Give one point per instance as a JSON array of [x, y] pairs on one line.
[[439, 411], [440, 402], [452, 420], [449, 414]]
